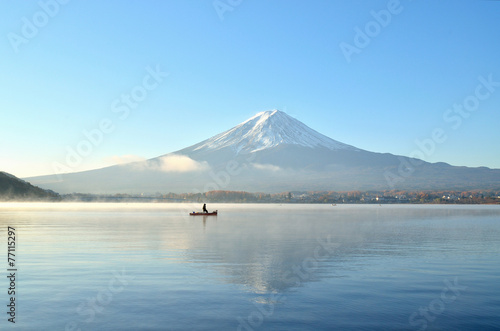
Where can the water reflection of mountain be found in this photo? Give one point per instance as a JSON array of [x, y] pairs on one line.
[[276, 252], [265, 248]]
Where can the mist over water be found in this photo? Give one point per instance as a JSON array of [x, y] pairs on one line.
[[295, 267]]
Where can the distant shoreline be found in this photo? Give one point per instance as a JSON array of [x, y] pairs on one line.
[[473, 197]]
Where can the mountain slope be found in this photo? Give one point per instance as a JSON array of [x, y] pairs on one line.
[[13, 188], [272, 152]]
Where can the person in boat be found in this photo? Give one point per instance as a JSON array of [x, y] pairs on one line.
[[205, 208]]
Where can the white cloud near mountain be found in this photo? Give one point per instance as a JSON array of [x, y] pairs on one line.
[[168, 163], [172, 163], [181, 163], [266, 167]]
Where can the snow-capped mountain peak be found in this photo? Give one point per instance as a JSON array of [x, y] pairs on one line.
[[269, 129]]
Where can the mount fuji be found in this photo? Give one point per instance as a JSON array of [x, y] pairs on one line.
[[269, 129], [272, 152]]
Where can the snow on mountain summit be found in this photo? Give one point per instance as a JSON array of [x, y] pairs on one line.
[[269, 129]]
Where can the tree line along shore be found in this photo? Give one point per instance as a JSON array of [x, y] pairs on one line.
[[326, 197]]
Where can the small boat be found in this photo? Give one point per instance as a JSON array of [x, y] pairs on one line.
[[214, 213]]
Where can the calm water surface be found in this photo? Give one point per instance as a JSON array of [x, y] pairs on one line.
[[253, 267]]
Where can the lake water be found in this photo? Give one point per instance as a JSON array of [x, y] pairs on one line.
[[253, 267]]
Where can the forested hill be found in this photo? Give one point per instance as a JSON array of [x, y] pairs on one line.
[[15, 189]]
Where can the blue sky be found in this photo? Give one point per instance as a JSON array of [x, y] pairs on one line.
[[198, 68]]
